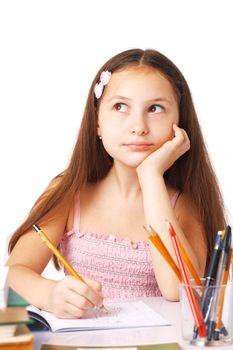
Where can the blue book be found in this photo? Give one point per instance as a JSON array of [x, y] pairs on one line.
[[15, 299]]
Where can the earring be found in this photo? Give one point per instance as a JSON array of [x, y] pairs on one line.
[[100, 137]]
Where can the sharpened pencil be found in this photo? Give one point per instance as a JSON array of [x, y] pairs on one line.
[[60, 257], [196, 311], [158, 243], [57, 253]]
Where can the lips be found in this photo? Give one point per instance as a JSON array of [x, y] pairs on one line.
[[138, 146]]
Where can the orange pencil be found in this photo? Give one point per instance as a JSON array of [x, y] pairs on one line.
[[198, 319], [190, 266], [158, 243], [221, 299], [171, 261]]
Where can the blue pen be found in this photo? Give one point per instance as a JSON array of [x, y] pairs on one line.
[[206, 298], [211, 274], [220, 273]]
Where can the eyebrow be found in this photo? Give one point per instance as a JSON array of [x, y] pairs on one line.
[[124, 98]]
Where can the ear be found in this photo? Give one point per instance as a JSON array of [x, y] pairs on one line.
[[98, 131]]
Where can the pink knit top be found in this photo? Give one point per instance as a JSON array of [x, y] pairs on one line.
[[122, 267]]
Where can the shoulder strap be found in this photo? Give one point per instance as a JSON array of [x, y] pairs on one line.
[[76, 222], [174, 198]]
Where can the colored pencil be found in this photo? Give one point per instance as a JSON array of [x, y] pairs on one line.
[[198, 319], [57, 253], [61, 258], [190, 266], [157, 242], [153, 237]]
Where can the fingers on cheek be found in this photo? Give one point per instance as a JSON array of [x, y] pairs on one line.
[[182, 145], [187, 140], [179, 140], [184, 141]]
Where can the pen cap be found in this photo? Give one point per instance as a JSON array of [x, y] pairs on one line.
[[227, 240], [214, 260]]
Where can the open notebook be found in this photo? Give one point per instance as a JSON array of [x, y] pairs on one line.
[[123, 314]]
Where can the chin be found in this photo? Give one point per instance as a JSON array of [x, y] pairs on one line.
[[132, 163]]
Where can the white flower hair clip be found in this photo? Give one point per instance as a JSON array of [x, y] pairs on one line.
[[104, 80]]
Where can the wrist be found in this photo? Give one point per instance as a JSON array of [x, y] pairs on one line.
[[47, 294], [147, 172]]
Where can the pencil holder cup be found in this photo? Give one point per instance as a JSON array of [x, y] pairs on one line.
[[207, 313]]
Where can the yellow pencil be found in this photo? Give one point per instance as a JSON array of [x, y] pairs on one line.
[[57, 253]]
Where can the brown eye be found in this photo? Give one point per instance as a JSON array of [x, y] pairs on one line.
[[156, 109], [121, 107]]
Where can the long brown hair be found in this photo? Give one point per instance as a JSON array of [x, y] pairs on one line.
[[192, 173]]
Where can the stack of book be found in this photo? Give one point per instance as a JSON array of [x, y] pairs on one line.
[[14, 333]]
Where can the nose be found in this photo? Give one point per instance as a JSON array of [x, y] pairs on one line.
[[139, 127]]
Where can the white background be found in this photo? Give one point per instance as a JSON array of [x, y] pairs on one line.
[[50, 51]]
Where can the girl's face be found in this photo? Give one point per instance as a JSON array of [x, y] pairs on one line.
[[136, 114]]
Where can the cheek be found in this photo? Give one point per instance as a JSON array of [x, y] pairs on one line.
[[110, 129], [109, 142], [162, 133]]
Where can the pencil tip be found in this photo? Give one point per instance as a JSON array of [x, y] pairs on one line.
[[170, 228], [148, 233], [153, 232]]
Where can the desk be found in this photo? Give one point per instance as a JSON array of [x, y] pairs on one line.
[[132, 336]]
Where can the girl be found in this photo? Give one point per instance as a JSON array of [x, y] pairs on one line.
[[132, 165]]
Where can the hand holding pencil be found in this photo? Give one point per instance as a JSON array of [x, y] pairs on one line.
[[74, 295]]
